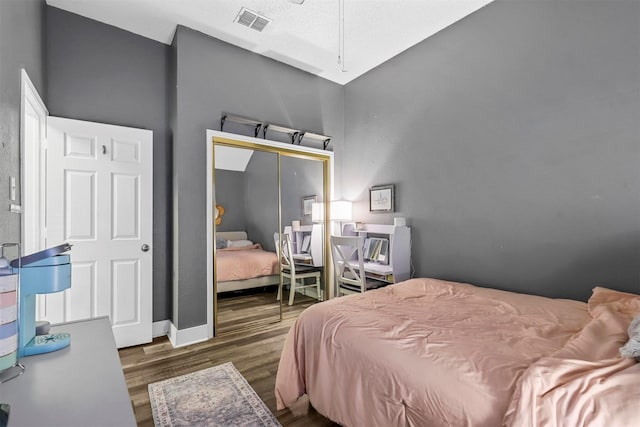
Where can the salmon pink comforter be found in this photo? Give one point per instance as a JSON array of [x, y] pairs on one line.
[[423, 352], [245, 263], [586, 383]]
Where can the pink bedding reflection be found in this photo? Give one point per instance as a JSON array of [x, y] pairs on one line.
[[245, 263]]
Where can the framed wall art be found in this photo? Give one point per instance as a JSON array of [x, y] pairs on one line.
[[307, 204], [381, 198]]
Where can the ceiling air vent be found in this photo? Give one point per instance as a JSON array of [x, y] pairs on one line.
[[251, 19]]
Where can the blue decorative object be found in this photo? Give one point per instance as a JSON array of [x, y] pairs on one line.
[[43, 272]]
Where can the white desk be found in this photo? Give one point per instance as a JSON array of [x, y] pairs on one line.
[[373, 270], [302, 259], [314, 253], [399, 250], [81, 385]]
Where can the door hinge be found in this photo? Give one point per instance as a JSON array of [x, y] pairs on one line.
[[45, 144]]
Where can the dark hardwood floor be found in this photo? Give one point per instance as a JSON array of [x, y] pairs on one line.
[[252, 341]]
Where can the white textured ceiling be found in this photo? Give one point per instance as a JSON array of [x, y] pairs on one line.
[[305, 36]]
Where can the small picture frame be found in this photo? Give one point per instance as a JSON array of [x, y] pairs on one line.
[[381, 198], [307, 204]]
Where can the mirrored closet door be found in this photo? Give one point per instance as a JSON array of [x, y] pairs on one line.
[[302, 191], [269, 253], [246, 215]]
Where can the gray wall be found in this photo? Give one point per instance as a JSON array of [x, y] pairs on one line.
[[230, 189], [250, 198], [215, 77], [300, 178], [261, 204], [100, 73], [512, 138], [21, 46]]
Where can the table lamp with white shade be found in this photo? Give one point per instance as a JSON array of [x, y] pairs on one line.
[[317, 212], [341, 211]]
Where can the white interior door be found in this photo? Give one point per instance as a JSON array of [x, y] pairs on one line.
[[99, 199], [33, 134]]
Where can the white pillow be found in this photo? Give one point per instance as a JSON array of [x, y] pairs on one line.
[[632, 347], [239, 243]]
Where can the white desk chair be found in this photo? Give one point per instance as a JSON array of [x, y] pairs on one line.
[[295, 273], [349, 278]]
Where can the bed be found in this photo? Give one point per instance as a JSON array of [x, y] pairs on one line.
[[245, 265], [427, 352]]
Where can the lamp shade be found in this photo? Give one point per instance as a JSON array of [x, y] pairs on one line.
[[317, 212], [341, 210]]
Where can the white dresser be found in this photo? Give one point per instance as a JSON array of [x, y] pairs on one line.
[[81, 385]]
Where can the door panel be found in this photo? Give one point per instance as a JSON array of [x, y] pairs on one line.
[[125, 151], [125, 196], [79, 205], [79, 147], [125, 284], [99, 199], [82, 299]]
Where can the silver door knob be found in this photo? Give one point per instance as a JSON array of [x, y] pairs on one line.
[[145, 248]]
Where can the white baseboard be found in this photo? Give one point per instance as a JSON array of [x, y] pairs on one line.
[[161, 328], [182, 337]]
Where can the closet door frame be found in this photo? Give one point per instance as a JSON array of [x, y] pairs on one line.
[[239, 141]]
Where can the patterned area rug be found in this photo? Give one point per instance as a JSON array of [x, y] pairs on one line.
[[218, 396]]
